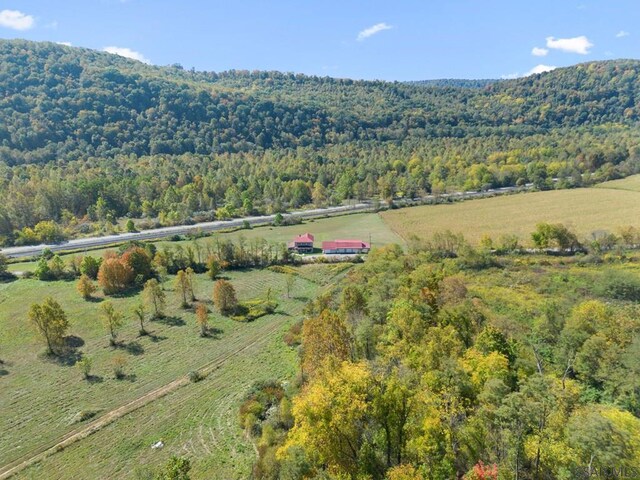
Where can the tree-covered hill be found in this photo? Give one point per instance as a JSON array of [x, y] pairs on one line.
[[87, 137], [66, 103], [455, 82]]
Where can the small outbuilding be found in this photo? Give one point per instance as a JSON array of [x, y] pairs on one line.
[[345, 247], [302, 243]]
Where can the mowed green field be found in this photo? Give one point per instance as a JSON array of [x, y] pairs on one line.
[[40, 399], [585, 210], [362, 226]]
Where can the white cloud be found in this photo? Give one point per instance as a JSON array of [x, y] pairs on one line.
[[621, 34], [372, 30], [540, 69], [127, 52], [16, 20], [579, 44], [539, 52], [535, 70], [66, 44]]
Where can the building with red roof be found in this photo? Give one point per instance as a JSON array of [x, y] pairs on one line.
[[302, 243], [345, 247]]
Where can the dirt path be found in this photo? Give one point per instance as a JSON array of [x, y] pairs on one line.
[[76, 435]]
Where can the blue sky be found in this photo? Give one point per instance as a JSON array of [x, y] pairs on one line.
[[389, 40]]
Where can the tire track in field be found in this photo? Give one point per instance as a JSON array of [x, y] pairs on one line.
[[41, 453]]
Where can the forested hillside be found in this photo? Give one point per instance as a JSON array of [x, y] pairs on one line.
[[455, 82], [448, 362], [66, 103], [87, 137]]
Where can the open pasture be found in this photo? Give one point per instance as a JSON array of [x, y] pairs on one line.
[[585, 210], [42, 399], [631, 183]]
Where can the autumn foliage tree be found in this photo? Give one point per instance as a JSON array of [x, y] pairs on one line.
[[112, 320], [213, 267], [481, 471], [182, 286], [140, 314], [118, 364], [154, 297], [331, 416], [90, 266], [224, 297], [139, 260], [51, 322], [202, 318], [114, 276], [325, 340], [190, 279], [85, 287]]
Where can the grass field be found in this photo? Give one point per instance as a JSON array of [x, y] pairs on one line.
[[585, 210], [360, 225], [40, 399], [631, 183]]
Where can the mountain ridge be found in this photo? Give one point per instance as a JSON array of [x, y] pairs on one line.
[[66, 102]]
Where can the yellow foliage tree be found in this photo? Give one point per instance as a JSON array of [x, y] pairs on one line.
[[481, 367], [85, 287], [202, 318], [325, 340], [330, 417]]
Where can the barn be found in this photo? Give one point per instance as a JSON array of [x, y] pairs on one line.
[[345, 247]]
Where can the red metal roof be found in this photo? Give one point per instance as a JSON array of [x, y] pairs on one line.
[[344, 244], [304, 238]]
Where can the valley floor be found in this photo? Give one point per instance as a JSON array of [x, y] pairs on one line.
[[585, 210]]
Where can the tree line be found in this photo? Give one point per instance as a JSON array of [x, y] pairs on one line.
[[51, 202]]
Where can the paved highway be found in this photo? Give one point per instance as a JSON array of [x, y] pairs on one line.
[[157, 233]]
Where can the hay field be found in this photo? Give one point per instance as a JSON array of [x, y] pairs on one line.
[[631, 183], [585, 210]]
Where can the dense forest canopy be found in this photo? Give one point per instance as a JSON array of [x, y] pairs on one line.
[[87, 137], [67, 103], [455, 82], [435, 365]]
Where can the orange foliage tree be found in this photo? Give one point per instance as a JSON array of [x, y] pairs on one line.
[[114, 276]]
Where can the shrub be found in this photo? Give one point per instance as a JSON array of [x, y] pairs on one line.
[[85, 287], [294, 336], [84, 365], [42, 271], [224, 297], [472, 259], [89, 266], [619, 285], [118, 363]]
